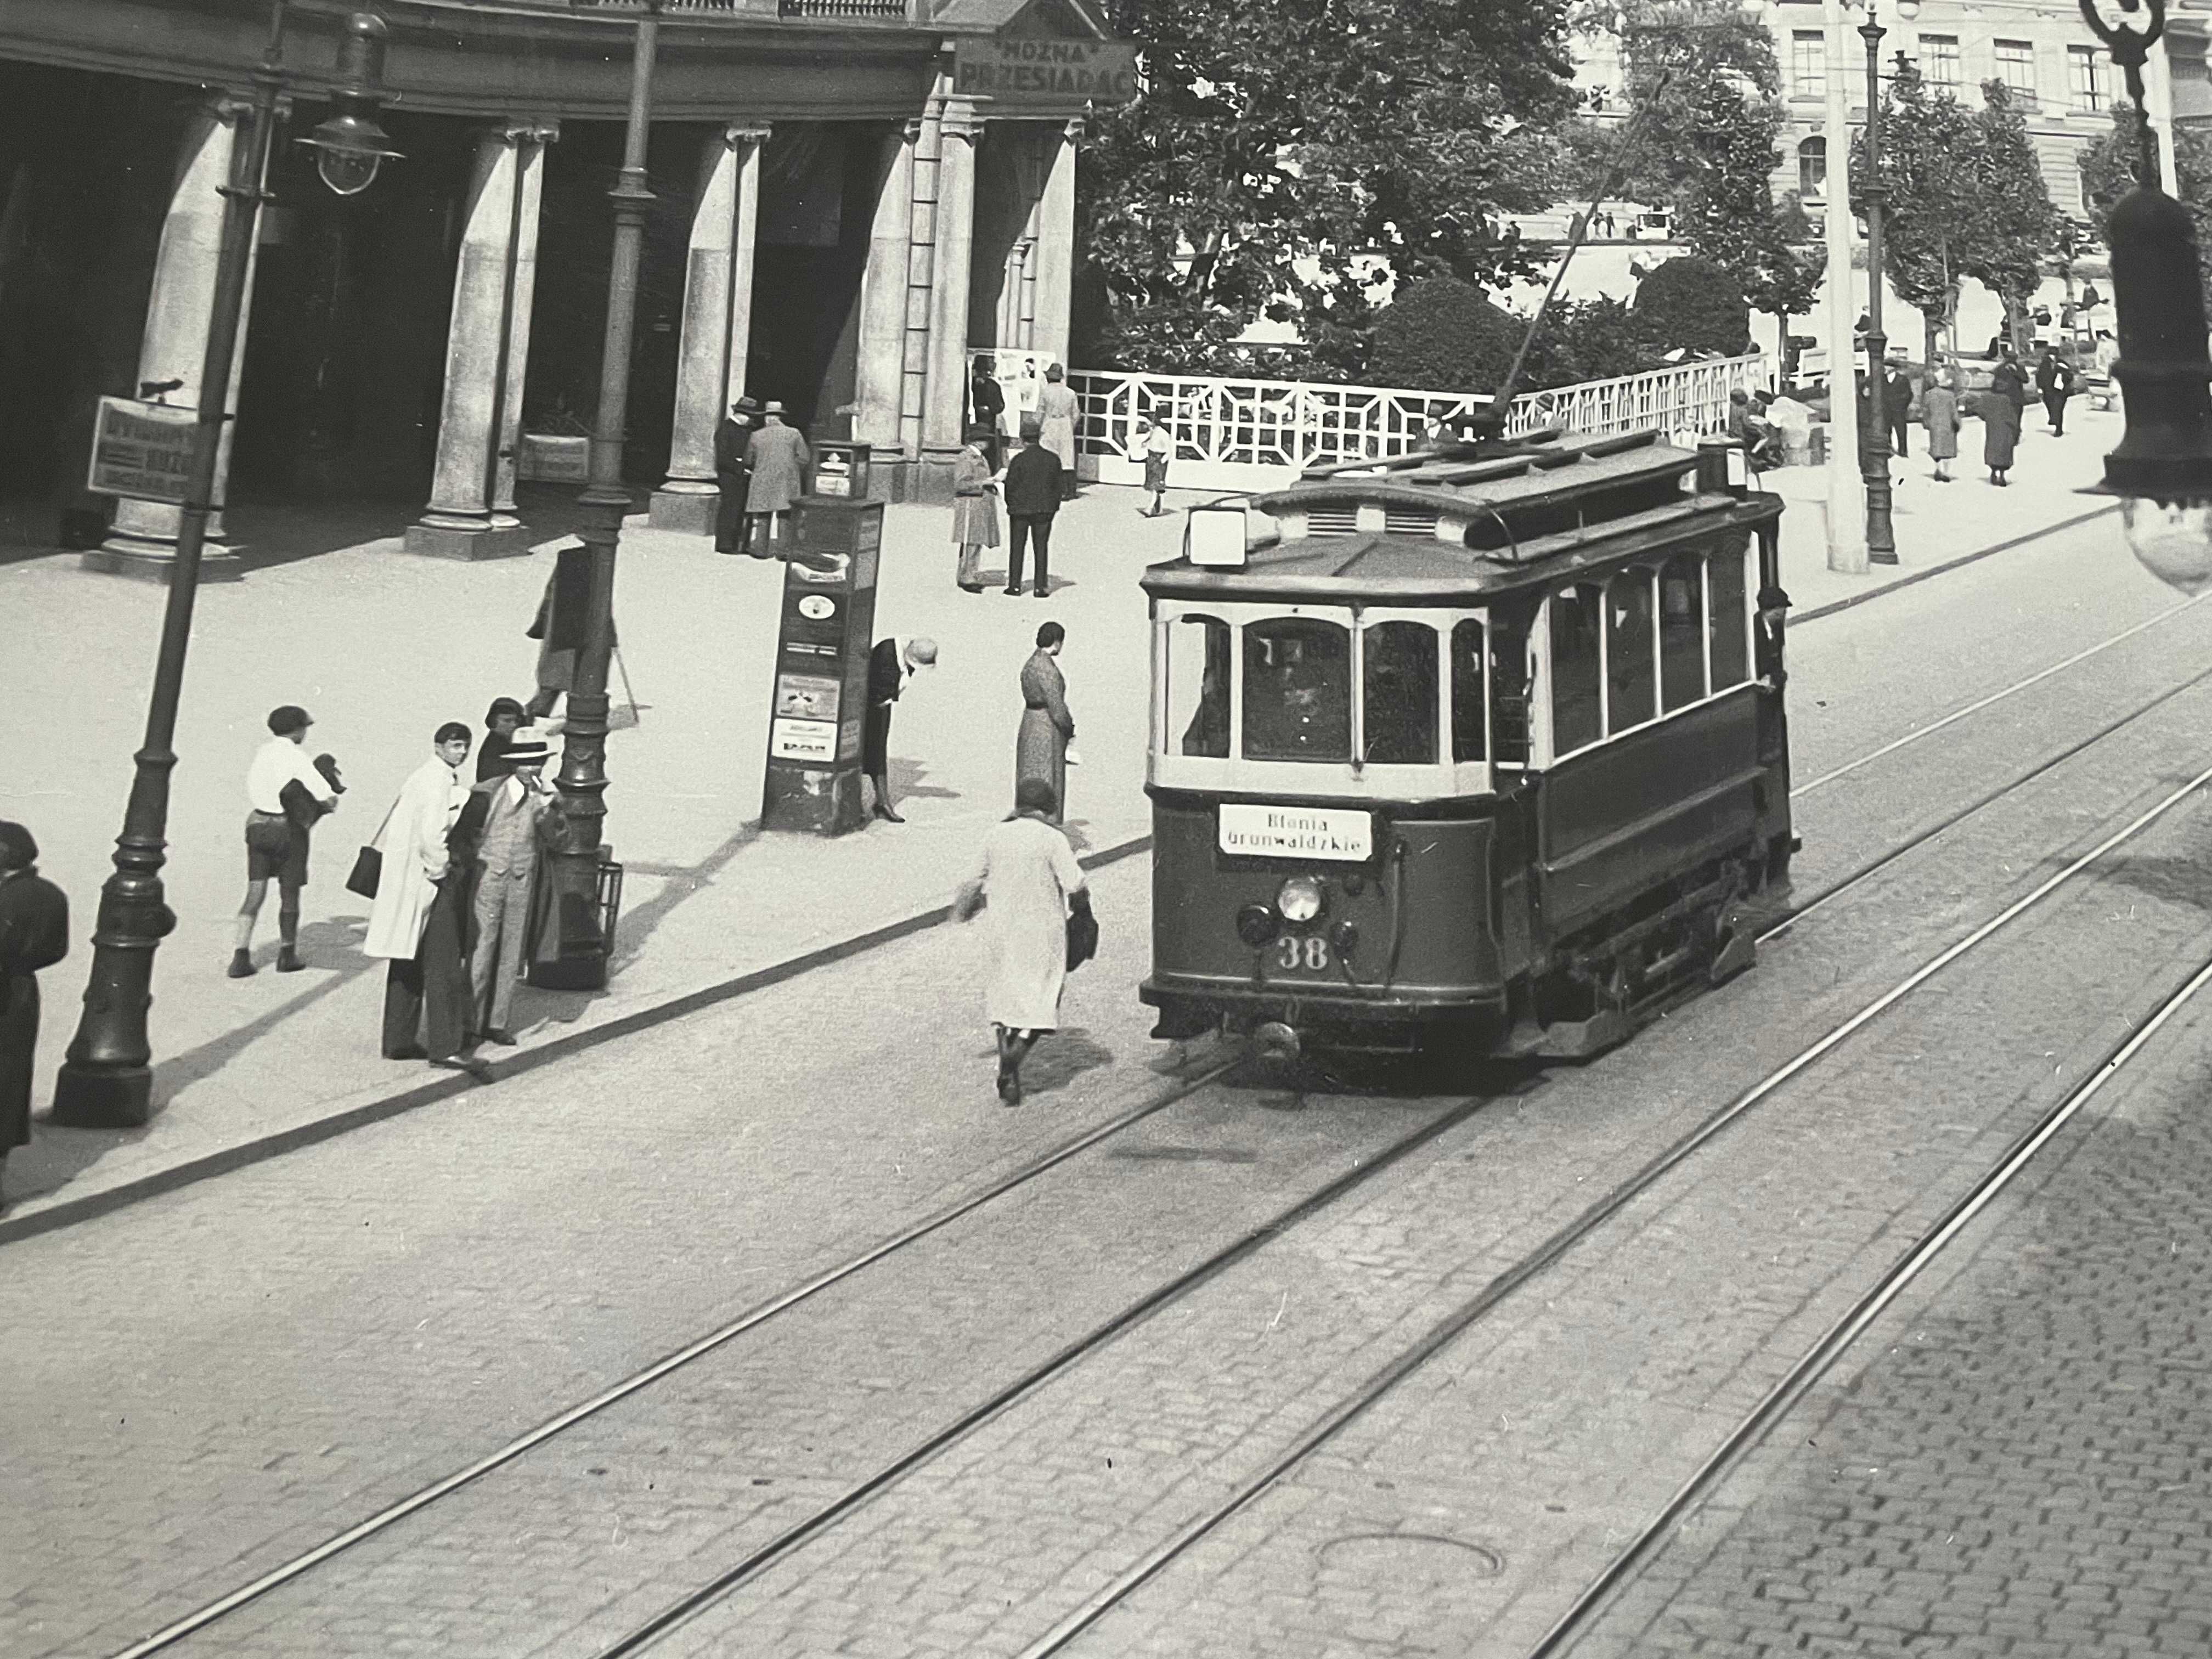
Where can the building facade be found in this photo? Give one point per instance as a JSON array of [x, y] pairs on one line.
[[839, 217]]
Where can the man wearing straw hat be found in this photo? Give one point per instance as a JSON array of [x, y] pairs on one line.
[[513, 810]]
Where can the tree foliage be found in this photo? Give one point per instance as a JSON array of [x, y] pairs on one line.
[[1443, 334], [1287, 158], [1692, 303], [1932, 201], [2014, 224], [2108, 164]]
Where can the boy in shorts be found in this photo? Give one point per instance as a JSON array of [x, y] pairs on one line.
[[285, 792], [1149, 442]]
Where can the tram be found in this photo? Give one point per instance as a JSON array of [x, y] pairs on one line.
[[1481, 748]]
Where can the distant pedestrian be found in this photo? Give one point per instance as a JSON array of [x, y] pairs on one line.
[[1150, 444], [417, 923], [975, 509], [2000, 407], [2107, 351], [507, 843], [1897, 406], [1939, 409], [501, 720], [1046, 728], [986, 408], [890, 665], [2055, 381], [1057, 413], [33, 934], [733, 478], [563, 612], [285, 793], [779, 458], [1032, 485], [1029, 876]]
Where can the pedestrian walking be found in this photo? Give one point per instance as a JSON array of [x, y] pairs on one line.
[[1046, 728], [1029, 877], [33, 934], [975, 509], [2000, 408], [1032, 486], [1056, 411], [779, 458], [1151, 445], [2055, 380], [733, 478], [1939, 409], [986, 408], [417, 923], [890, 665], [1897, 406], [563, 613], [506, 828], [285, 794]]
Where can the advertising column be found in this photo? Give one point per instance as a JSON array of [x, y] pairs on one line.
[[821, 693]]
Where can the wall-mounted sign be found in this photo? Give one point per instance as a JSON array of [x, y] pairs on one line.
[[143, 451], [1055, 73]]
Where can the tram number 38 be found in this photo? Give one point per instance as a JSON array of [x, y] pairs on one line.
[[1310, 953]]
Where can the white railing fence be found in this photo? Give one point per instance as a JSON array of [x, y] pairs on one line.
[[1260, 434]]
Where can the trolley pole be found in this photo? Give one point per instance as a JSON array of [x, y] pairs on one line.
[[1847, 549]]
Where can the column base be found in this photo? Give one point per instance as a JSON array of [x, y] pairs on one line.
[[102, 1098], [930, 478], [151, 560], [481, 541], [690, 512]]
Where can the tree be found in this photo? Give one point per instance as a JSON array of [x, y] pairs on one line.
[[1928, 139], [1694, 304], [2108, 172], [1443, 334], [2013, 222], [1287, 157]]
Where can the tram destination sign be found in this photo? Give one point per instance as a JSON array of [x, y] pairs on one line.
[[141, 451], [1046, 73], [1295, 832]]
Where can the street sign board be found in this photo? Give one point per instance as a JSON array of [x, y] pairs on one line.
[[143, 451], [1045, 74]]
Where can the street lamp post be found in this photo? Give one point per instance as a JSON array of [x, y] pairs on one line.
[[1846, 495], [574, 866], [107, 1078], [1873, 440]]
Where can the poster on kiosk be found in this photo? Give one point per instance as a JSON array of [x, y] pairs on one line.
[[820, 692]]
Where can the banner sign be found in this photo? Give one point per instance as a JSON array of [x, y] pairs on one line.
[[1055, 73], [143, 451]]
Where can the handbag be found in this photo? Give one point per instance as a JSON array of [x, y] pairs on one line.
[[368, 871], [1082, 931]]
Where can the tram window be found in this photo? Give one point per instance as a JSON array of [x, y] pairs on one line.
[[1629, 648], [1297, 690], [1682, 633], [1197, 689], [1509, 686], [1725, 587], [1400, 667], [1470, 722], [1575, 614]]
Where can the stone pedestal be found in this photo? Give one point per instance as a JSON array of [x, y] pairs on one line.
[[717, 331]]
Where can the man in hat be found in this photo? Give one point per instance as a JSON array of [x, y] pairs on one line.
[[732, 475], [33, 934], [890, 665], [779, 458], [1032, 494], [505, 819], [986, 406], [285, 793]]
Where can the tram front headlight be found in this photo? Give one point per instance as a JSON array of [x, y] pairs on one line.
[[1301, 899]]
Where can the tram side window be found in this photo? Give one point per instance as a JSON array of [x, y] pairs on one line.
[[1724, 586], [1197, 689], [1575, 618], [1399, 667], [1470, 720], [1508, 685], [1633, 691], [1297, 690], [1681, 632]]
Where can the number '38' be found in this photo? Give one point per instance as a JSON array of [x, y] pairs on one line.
[[1310, 952]]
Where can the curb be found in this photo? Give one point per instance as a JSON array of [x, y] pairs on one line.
[[1799, 618], [69, 1211]]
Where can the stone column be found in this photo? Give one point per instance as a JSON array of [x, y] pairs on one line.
[[471, 514], [945, 396], [717, 335], [879, 369], [920, 266], [1054, 263], [179, 313]]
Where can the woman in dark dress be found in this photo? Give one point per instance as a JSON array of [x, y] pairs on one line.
[[1046, 728], [33, 934]]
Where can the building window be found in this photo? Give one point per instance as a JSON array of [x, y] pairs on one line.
[[1812, 168], [1808, 64], [2085, 78], [1939, 59], [2016, 67]]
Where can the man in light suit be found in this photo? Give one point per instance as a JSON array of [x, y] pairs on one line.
[[512, 810]]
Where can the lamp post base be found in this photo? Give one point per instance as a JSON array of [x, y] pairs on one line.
[[87, 1097]]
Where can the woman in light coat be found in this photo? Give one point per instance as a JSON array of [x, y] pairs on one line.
[[1056, 411], [975, 509], [1029, 875], [416, 921], [1046, 728], [1939, 408]]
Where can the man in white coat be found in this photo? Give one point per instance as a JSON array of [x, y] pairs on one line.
[[416, 923]]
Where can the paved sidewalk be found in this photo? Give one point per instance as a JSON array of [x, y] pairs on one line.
[[382, 646]]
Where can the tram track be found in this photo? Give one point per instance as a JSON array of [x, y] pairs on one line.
[[1037, 1376]]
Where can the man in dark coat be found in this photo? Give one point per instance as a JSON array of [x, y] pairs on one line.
[[733, 476], [2054, 382], [890, 665], [1032, 495], [33, 934], [986, 403], [1896, 405], [559, 628]]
